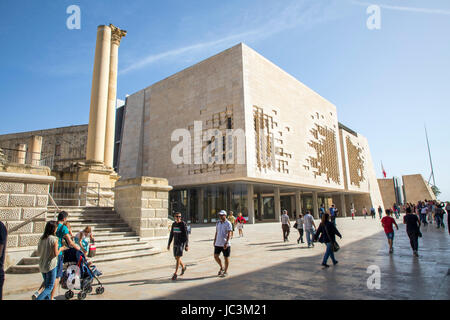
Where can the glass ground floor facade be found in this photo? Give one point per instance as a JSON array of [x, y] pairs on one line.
[[201, 204]]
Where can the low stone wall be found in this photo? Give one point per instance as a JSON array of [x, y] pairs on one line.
[[143, 203], [23, 195]]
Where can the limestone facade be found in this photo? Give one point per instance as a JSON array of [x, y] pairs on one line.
[[143, 203], [292, 135], [416, 188]]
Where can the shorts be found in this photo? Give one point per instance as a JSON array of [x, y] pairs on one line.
[[226, 252], [390, 235], [240, 226], [178, 250], [59, 266]]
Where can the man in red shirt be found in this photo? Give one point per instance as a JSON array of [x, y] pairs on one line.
[[387, 223]]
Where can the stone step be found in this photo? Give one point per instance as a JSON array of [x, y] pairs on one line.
[[111, 229], [111, 218], [101, 240], [99, 224], [99, 258], [139, 246], [22, 269], [109, 245], [113, 233], [126, 255]]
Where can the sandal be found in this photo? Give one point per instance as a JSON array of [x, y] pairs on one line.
[[220, 272], [183, 270], [174, 277]]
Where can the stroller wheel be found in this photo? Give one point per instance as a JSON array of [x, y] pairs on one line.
[[99, 290], [69, 294], [89, 289], [81, 295]]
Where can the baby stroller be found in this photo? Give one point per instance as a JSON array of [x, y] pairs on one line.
[[82, 281]]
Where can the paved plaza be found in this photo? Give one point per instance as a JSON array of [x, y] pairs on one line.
[[264, 267]]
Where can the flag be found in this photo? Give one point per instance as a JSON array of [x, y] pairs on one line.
[[382, 168]]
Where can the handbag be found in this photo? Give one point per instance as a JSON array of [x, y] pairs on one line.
[[336, 246], [295, 225]]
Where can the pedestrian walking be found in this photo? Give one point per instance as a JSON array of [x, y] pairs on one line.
[[48, 252], [321, 210], [240, 224], [309, 224], [222, 243], [423, 215], [413, 230], [332, 214], [299, 226], [387, 222], [439, 216], [364, 212], [326, 233], [380, 211], [179, 235], [353, 212], [285, 225], [232, 220], [372, 212], [3, 242]]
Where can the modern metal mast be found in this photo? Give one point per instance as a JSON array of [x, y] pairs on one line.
[[431, 162]]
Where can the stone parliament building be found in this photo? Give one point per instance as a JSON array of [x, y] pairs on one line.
[[297, 153]]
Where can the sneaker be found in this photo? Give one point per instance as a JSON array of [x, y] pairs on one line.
[[183, 270], [35, 295], [391, 250], [298, 241], [220, 272], [223, 275], [325, 265], [335, 263], [416, 254], [174, 277]]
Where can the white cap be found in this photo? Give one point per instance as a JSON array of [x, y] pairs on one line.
[[222, 213]]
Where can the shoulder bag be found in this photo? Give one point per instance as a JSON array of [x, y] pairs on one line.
[[335, 244]]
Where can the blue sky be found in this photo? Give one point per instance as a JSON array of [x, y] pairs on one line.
[[385, 83]]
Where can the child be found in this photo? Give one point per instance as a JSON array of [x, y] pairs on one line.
[[81, 239], [387, 223]]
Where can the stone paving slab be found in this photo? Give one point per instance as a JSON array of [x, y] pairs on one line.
[[263, 267]]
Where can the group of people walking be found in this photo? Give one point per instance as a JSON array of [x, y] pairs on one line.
[[222, 240], [416, 215]]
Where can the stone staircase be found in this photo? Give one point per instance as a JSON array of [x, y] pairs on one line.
[[114, 239]]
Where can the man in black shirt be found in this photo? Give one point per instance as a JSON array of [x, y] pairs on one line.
[[412, 229], [179, 234], [3, 236]]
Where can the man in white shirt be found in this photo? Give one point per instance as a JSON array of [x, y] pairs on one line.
[[222, 242], [309, 224], [285, 225]]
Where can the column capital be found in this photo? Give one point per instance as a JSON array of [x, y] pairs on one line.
[[116, 34]]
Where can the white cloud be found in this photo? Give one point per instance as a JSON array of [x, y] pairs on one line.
[[401, 8], [289, 17]]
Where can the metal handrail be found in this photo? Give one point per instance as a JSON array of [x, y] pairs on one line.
[[75, 193], [27, 221]]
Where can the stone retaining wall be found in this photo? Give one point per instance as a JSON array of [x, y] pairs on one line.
[[21, 197]]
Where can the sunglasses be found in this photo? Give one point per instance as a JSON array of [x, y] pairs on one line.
[[177, 216]]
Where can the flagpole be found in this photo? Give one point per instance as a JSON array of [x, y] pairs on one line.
[[429, 154]]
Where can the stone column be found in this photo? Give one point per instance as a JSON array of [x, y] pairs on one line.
[[298, 202], [315, 205], [35, 150], [343, 207], [99, 97], [276, 199], [260, 207], [21, 153], [201, 195], [251, 205], [116, 36]]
